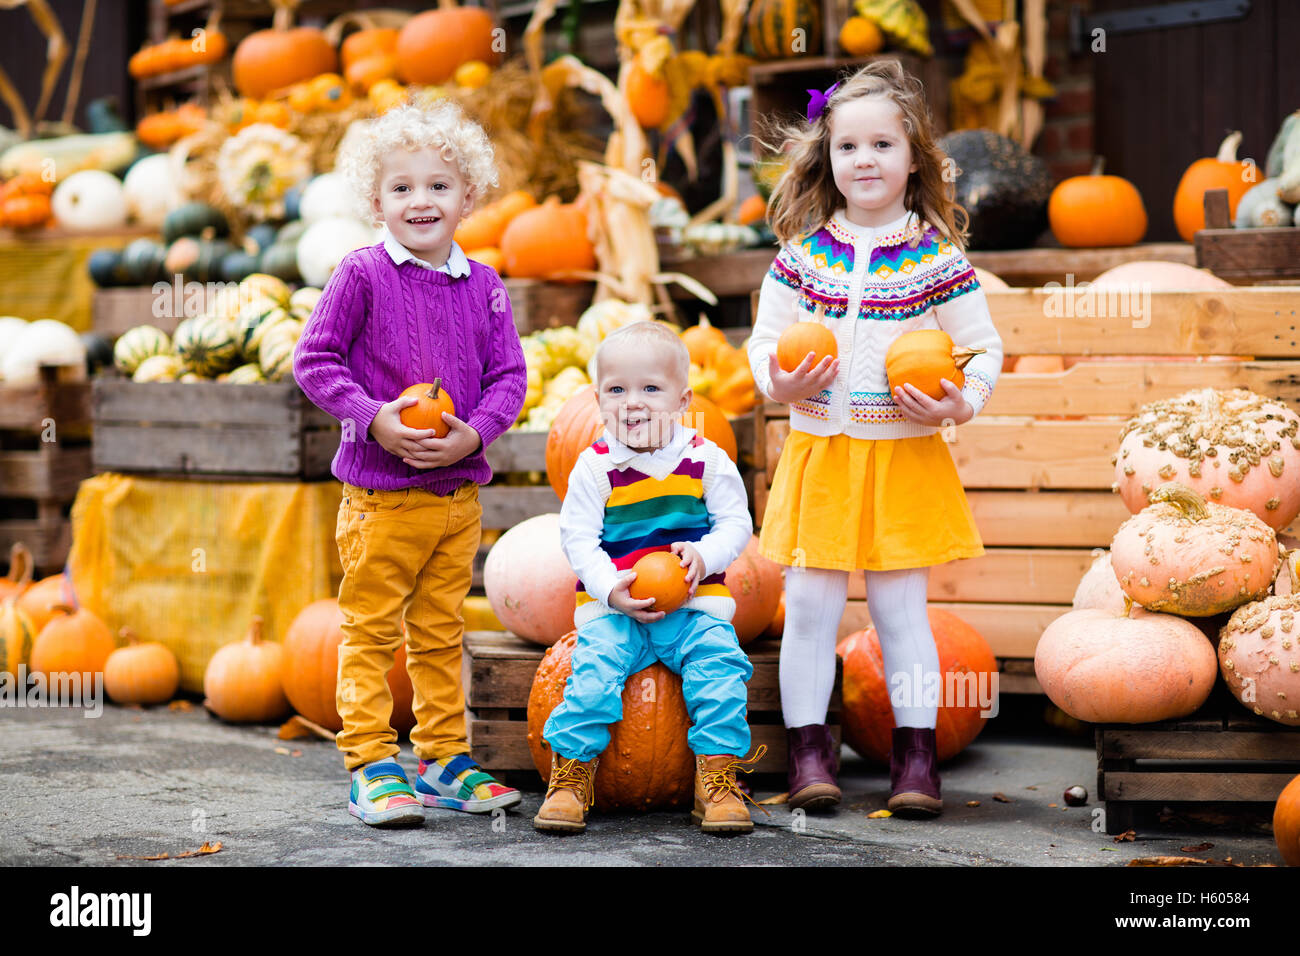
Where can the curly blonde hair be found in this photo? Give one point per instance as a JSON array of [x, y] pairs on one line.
[[805, 197], [645, 337], [444, 127]]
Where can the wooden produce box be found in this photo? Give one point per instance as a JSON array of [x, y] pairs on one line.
[[211, 430], [498, 674], [116, 310], [537, 304], [1036, 463], [1245, 256], [1221, 754], [45, 453]]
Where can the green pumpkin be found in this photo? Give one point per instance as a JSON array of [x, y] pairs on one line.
[[206, 346], [193, 219], [238, 265], [250, 374], [137, 344], [104, 266], [772, 25], [291, 232], [262, 235], [198, 260], [276, 353], [281, 261], [142, 262]]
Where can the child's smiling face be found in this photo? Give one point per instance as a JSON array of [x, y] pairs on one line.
[[640, 394], [422, 198], [871, 159]]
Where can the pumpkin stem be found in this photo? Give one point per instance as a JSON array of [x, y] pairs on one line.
[[20, 557], [962, 355], [1183, 498], [1128, 605], [1098, 164], [129, 637], [433, 391], [1228, 148], [255, 630], [283, 19], [63, 608]]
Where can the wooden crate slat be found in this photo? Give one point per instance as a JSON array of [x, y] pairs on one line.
[[1085, 519], [199, 403], [1200, 745], [26, 408], [48, 541], [538, 304], [1121, 388], [1029, 575], [1259, 321], [504, 507], [1257, 254], [1032, 267], [1188, 786], [48, 475], [178, 449], [1012, 630], [1013, 453], [518, 451]]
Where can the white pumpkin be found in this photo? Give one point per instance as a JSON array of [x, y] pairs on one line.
[[45, 342], [89, 201], [326, 197], [151, 190], [325, 243]]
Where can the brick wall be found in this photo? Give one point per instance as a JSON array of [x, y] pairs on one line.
[[1066, 142]]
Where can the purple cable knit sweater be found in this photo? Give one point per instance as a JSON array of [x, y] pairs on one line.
[[380, 328]]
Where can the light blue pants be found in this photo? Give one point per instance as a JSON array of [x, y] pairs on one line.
[[699, 647]]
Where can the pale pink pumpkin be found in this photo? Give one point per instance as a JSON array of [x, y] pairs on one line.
[[1157, 275], [529, 583], [1234, 447], [1110, 668], [1259, 657], [1183, 555], [1099, 588]]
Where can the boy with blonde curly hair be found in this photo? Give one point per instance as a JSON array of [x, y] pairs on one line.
[[407, 310]]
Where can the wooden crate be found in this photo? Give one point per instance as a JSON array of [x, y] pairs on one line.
[[213, 430], [1036, 462], [1222, 754], [537, 304], [1245, 256], [45, 453], [114, 311], [498, 674]]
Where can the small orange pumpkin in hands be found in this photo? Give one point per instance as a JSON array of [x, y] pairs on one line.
[[923, 358], [660, 575], [800, 339], [427, 412]]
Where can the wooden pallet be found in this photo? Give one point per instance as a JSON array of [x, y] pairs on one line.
[[45, 453], [498, 674], [1036, 462], [211, 430], [1222, 754], [1245, 256]]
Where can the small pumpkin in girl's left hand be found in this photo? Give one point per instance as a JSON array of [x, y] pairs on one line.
[[432, 401]]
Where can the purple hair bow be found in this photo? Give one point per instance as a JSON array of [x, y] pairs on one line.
[[817, 101]]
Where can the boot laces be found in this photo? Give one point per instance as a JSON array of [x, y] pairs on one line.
[[570, 774], [718, 783]]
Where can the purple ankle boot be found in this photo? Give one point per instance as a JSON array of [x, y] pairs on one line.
[[813, 761], [914, 773]]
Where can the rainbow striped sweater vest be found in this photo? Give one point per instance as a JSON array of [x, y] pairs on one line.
[[645, 514]]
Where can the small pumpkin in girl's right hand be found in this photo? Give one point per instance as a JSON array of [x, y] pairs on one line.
[[427, 412], [800, 339], [923, 358]]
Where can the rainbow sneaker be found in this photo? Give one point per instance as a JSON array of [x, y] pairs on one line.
[[459, 784], [381, 796]]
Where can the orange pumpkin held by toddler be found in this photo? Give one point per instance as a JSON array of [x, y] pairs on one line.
[[923, 358], [427, 412], [660, 575], [800, 339]]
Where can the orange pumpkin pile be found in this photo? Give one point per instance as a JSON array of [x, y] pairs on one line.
[[179, 53], [160, 130], [25, 202], [720, 372], [480, 233], [432, 44]]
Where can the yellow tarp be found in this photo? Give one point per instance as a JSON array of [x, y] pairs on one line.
[[46, 278], [188, 563]]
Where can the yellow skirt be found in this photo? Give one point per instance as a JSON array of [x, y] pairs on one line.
[[857, 504]]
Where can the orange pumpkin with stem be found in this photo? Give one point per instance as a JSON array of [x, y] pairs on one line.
[[277, 58], [702, 340], [242, 683], [801, 338], [427, 412], [648, 764], [1223, 171], [75, 641], [1095, 210], [660, 576], [578, 424], [141, 673], [41, 599], [924, 357], [432, 44], [548, 239]]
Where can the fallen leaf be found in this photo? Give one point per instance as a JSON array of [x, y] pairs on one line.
[[878, 814], [295, 753], [972, 803], [1178, 861], [282, 750], [1129, 835], [180, 705], [1053, 804], [299, 726], [1111, 849], [201, 851], [1032, 787], [773, 801], [1001, 798], [1200, 847]]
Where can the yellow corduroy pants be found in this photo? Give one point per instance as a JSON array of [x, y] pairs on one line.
[[404, 553]]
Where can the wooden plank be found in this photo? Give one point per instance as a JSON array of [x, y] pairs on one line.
[[47, 475], [26, 408], [1235, 787], [1259, 321], [1085, 519], [504, 506], [518, 451], [1259, 255], [1202, 745], [114, 311], [538, 304], [992, 452], [49, 542], [1121, 388], [1012, 630], [1034, 267], [181, 449], [1011, 575], [199, 403]]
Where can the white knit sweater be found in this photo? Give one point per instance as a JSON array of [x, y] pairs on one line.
[[901, 276]]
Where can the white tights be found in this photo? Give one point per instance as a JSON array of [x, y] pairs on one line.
[[814, 603]]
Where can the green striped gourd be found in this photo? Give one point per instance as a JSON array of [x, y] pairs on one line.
[[276, 353], [137, 344], [772, 26], [158, 368], [302, 302], [250, 374], [267, 286], [255, 319], [206, 346], [16, 637]]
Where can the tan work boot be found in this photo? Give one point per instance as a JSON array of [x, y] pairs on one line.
[[570, 794], [719, 801]]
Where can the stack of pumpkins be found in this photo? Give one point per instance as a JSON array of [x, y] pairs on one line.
[[1210, 477], [246, 336]]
